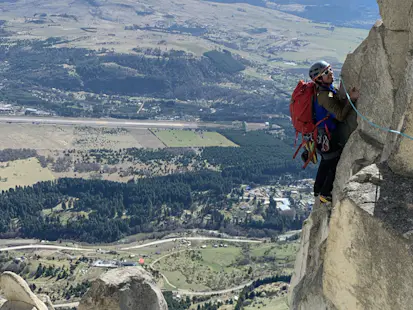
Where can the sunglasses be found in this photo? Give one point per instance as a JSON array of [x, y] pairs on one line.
[[326, 72]]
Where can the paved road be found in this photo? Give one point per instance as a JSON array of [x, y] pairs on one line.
[[228, 290], [97, 122], [58, 247], [162, 257], [44, 246], [191, 238], [170, 254]]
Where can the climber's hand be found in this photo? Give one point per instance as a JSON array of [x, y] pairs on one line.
[[354, 94]]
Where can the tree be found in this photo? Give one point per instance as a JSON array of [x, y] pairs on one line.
[[39, 271]]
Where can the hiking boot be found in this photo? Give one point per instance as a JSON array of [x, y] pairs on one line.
[[325, 199]]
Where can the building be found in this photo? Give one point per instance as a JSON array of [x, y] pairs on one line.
[[30, 111], [105, 264], [128, 264], [283, 203], [6, 110]]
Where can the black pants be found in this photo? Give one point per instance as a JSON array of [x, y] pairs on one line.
[[325, 176], [327, 170]]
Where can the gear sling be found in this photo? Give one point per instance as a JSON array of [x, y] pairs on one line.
[[304, 120]]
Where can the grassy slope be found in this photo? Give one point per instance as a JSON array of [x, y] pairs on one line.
[[22, 173], [218, 268]]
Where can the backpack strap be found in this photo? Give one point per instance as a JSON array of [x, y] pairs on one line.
[[315, 114], [314, 103], [296, 138], [304, 141], [327, 131]]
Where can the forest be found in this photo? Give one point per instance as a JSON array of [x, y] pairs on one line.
[[107, 211]]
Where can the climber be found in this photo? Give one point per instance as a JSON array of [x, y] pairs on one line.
[[329, 144]]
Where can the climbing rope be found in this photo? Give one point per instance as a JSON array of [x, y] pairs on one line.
[[369, 121]]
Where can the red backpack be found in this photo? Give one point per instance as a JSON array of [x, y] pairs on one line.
[[302, 117]]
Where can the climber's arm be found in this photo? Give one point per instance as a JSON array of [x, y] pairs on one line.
[[333, 104]]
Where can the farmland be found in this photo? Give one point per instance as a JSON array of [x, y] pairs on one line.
[[188, 138], [110, 153], [62, 137], [109, 149], [59, 137]]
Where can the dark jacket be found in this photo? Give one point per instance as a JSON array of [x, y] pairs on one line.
[[328, 102]]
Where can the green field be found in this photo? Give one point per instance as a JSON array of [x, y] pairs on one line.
[[65, 215], [218, 268], [202, 270], [280, 251], [272, 303], [189, 138], [177, 279]]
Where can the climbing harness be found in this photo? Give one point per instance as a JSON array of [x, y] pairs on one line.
[[369, 121]]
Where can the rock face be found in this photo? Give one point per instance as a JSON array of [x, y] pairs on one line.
[[357, 253], [18, 295], [130, 288]]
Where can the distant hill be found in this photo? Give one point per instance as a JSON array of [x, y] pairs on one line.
[[368, 3], [237, 60], [352, 13]]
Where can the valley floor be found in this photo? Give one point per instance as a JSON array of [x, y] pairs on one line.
[[67, 262]]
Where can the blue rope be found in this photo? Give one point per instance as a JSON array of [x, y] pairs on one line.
[[369, 121]]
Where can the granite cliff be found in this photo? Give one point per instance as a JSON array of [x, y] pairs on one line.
[[357, 252]]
